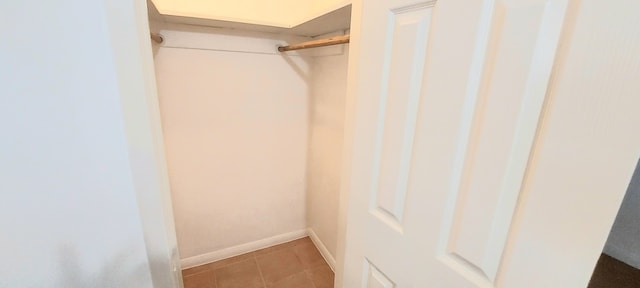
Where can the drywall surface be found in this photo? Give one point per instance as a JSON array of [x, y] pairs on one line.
[[323, 6], [277, 13], [329, 88], [235, 121], [70, 213], [624, 240]]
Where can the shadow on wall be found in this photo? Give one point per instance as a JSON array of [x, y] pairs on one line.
[[117, 271], [300, 71], [624, 239], [154, 48]]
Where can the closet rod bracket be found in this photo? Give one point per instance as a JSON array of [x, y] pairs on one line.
[[156, 37]]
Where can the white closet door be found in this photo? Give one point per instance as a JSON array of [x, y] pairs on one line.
[[493, 140]]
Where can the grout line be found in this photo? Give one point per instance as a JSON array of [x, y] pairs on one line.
[[237, 250], [215, 278], [255, 258], [308, 273]]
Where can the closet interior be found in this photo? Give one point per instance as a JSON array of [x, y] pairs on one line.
[[253, 136]]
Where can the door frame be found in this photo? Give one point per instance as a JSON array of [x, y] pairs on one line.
[[128, 25]]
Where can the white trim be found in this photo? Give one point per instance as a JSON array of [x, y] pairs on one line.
[[182, 36], [128, 31], [241, 249], [323, 249]]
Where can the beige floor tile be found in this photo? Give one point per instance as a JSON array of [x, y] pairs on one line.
[[278, 265], [195, 270], [217, 264], [295, 264], [244, 274], [300, 280], [322, 276], [282, 246], [309, 255], [232, 260], [204, 279]]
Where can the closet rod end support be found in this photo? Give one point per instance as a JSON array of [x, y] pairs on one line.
[[158, 38]]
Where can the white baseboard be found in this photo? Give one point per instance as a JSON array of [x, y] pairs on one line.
[[323, 249], [242, 249]]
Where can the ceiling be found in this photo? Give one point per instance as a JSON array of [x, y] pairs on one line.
[[294, 17]]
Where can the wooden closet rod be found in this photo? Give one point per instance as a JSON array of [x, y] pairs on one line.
[[316, 43], [157, 38]]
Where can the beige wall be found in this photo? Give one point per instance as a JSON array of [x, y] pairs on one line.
[[328, 90], [235, 121]]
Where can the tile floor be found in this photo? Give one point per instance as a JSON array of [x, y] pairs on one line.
[[613, 273], [296, 264]]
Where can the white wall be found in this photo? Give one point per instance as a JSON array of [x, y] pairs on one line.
[[624, 240], [328, 91], [277, 13], [235, 121], [320, 6], [72, 177]]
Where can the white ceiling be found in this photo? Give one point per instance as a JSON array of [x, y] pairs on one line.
[[299, 20]]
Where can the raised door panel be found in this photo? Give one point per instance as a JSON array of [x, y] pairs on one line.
[[407, 33], [498, 132]]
